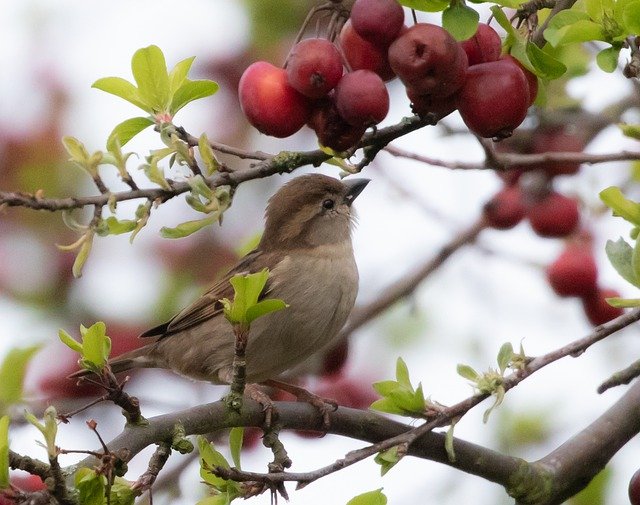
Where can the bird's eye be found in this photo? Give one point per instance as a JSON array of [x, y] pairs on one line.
[[328, 203]]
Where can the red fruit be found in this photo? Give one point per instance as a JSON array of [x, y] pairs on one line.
[[532, 79], [506, 209], [377, 21], [27, 482], [314, 67], [362, 98], [331, 128], [429, 60], [270, 103], [494, 98], [574, 272], [555, 140], [634, 489], [484, 46], [363, 55], [335, 358], [427, 104], [596, 308], [555, 215]]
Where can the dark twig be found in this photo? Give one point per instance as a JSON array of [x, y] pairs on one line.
[[156, 464]]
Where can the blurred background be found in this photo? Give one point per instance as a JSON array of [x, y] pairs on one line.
[[487, 293]]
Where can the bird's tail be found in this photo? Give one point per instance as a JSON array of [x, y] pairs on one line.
[[138, 358]]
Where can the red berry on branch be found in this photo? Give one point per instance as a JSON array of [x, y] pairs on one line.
[[596, 308], [532, 79], [494, 98], [506, 209], [331, 128], [268, 101], [634, 489], [362, 98], [484, 46], [555, 215], [377, 21], [363, 55], [429, 60], [314, 67], [555, 140], [574, 272], [428, 104]]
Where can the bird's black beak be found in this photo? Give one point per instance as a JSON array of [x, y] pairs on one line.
[[354, 188]]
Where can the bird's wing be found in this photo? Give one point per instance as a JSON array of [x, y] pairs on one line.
[[208, 305]]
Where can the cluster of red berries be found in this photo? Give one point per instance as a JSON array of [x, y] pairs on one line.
[[554, 215], [492, 92]]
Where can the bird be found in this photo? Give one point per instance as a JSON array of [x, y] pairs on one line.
[[307, 247]]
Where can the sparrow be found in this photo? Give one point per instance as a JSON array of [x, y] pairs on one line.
[[306, 245]]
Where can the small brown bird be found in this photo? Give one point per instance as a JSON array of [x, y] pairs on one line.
[[307, 248]]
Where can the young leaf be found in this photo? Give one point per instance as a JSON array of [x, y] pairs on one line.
[[630, 130], [235, 444], [460, 20], [544, 64], [623, 303], [607, 59], [190, 91], [187, 228], [376, 497], [631, 17], [128, 129], [210, 458], [621, 206], [426, 5], [4, 452], [12, 374], [620, 254], [505, 355], [263, 308], [402, 374], [49, 429], [150, 72], [69, 341], [91, 487], [83, 254], [96, 346], [115, 227], [179, 73], [468, 373], [124, 89], [389, 458], [206, 153]]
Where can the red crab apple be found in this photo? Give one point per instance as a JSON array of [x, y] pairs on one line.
[[363, 55], [428, 104], [574, 272], [362, 98], [553, 140], [268, 101], [634, 489], [494, 98], [429, 60], [485, 45], [532, 80], [596, 308], [377, 21], [506, 209], [331, 128], [555, 215], [314, 67]]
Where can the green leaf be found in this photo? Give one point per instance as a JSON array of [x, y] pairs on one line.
[[49, 428], [190, 91], [580, 31], [630, 130], [388, 459], [460, 20], [206, 153], [12, 373], [83, 254], [448, 443], [235, 444], [4, 452], [128, 129], [544, 64], [96, 346], [402, 374], [91, 487], [505, 355], [620, 255], [263, 308], [623, 303], [187, 228], [631, 17], [121, 492], [210, 458], [116, 227], [621, 206], [387, 405], [179, 73], [596, 9], [69, 341], [150, 72], [426, 5], [607, 59], [218, 499], [124, 89], [76, 149], [376, 497], [385, 388], [468, 373]]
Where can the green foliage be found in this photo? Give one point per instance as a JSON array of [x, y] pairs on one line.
[[4, 452], [49, 429], [399, 396], [129, 128], [389, 458], [596, 492], [492, 381], [236, 436], [92, 489], [94, 349], [631, 130], [159, 92], [245, 307], [459, 20], [225, 490], [12, 372], [376, 497]]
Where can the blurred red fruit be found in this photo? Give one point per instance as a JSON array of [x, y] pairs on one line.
[[27, 482], [556, 215], [596, 308], [506, 209], [268, 101], [574, 272], [362, 55], [335, 358], [634, 489], [555, 140], [377, 21], [484, 46]]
